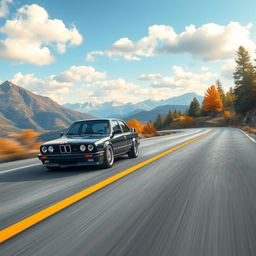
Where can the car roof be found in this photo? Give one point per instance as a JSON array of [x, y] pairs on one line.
[[97, 119]]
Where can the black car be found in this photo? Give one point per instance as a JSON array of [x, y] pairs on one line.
[[90, 142]]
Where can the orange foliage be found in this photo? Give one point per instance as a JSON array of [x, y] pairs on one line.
[[212, 100], [146, 130], [136, 125], [28, 137], [12, 149], [9, 146], [226, 115], [149, 129], [184, 122]]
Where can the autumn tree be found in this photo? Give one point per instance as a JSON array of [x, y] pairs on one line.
[[149, 129], [244, 77], [212, 102], [136, 125], [194, 108]]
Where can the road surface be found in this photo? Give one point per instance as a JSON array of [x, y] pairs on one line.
[[198, 200]]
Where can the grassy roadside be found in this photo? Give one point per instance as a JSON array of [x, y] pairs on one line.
[[249, 129]]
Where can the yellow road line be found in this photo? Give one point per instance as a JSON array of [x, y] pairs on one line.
[[24, 224]]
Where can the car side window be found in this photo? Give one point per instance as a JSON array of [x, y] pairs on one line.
[[115, 125], [124, 127]]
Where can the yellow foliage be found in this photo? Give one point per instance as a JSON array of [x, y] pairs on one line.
[[184, 122], [28, 137], [136, 125], [12, 149], [212, 100], [149, 129], [226, 115]]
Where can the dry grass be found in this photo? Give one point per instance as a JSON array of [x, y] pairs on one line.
[[20, 146], [249, 129]]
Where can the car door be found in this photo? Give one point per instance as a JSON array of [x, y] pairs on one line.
[[127, 135], [118, 139]]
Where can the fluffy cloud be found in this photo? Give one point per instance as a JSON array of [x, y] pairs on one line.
[[4, 10], [162, 87], [58, 87], [187, 81], [209, 42], [79, 73], [31, 34], [228, 69], [149, 77]]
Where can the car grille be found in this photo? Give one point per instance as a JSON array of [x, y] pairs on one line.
[[70, 149], [65, 149]]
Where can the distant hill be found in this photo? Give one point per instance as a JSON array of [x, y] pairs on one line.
[[22, 109], [151, 115], [120, 110]]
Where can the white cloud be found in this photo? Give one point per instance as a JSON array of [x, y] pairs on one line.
[[80, 73], [4, 10], [209, 42], [228, 69], [31, 33], [58, 87], [187, 81], [149, 77]]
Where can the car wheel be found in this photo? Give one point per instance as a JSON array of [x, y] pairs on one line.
[[108, 157], [134, 151]]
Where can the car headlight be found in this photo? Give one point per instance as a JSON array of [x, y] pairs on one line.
[[90, 147], [50, 149], [44, 149], [82, 148]]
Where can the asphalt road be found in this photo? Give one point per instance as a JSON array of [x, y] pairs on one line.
[[197, 200]]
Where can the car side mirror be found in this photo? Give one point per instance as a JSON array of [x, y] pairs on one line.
[[132, 130], [61, 134], [116, 132]]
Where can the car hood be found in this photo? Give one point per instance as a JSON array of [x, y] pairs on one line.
[[77, 139]]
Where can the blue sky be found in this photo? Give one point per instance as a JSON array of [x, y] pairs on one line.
[[127, 51]]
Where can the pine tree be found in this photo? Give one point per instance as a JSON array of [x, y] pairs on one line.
[[244, 77], [212, 102], [159, 123], [220, 90], [229, 99], [194, 108], [168, 120]]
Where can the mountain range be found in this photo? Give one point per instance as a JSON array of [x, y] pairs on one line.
[[22, 109], [117, 109], [151, 115]]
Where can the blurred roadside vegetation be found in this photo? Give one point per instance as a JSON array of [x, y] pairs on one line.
[[19, 145]]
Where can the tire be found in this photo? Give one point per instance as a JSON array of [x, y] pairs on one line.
[[108, 157], [134, 151]]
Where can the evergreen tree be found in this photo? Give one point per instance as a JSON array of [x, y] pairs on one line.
[[168, 120], [194, 108], [230, 98], [159, 123], [244, 76], [175, 114], [220, 90]]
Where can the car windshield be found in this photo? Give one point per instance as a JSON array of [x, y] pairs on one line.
[[95, 127]]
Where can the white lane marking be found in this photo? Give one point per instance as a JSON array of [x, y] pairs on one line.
[[251, 138], [17, 168]]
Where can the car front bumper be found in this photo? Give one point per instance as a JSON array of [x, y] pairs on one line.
[[68, 160]]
